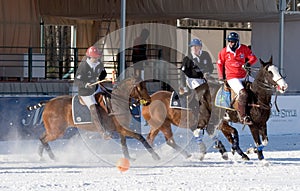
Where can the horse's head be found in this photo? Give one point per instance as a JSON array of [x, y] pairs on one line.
[[139, 91], [272, 76]]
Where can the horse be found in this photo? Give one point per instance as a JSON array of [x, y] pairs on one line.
[[260, 93], [57, 116], [159, 115]]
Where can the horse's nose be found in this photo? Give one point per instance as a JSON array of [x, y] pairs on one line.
[[283, 88]]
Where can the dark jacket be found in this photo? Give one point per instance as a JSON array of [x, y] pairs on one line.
[[85, 74], [194, 69], [139, 51]]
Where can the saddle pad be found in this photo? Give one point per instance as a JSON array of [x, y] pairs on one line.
[[178, 102], [223, 99], [81, 114]]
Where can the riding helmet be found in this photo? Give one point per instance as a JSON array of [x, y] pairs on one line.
[[233, 36], [93, 52], [195, 42]]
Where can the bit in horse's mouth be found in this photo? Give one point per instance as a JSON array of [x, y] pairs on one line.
[[145, 102]]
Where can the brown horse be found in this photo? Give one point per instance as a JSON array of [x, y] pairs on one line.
[[57, 116], [259, 107], [160, 116]]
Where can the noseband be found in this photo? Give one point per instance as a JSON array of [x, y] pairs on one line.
[[268, 87], [140, 99]]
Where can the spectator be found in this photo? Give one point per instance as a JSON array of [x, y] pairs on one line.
[[139, 52]]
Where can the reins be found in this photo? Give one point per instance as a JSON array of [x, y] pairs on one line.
[[120, 100], [266, 87]]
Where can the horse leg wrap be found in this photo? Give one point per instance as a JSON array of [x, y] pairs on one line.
[[219, 145], [260, 148], [236, 146], [49, 151], [41, 150], [125, 152], [260, 152]]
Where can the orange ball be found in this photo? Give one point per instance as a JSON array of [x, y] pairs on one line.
[[123, 164]]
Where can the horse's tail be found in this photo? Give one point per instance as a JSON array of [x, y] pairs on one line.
[[39, 105]]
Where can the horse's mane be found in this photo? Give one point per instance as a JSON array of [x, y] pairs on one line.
[[121, 94], [124, 87]]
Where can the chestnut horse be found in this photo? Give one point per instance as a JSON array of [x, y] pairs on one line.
[[57, 116], [160, 116], [259, 108]]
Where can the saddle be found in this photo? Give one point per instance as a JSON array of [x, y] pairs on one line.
[[185, 101], [226, 98], [81, 113]]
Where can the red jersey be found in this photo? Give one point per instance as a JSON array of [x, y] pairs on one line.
[[232, 62]]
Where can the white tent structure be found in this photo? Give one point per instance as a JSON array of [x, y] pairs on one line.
[[269, 35]]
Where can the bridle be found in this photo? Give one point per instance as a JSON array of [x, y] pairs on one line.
[[123, 99], [140, 99], [263, 84], [266, 86]]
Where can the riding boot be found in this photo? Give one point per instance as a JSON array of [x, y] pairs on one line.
[[242, 102], [96, 117]]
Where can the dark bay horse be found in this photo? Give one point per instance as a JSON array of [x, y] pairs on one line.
[[160, 116], [57, 116], [260, 92]]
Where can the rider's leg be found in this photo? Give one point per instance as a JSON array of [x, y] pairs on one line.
[[96, 114], [237, 86], [242, 102]]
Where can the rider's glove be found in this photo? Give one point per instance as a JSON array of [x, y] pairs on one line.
[[246, 66], [221, 81], [88, 85]]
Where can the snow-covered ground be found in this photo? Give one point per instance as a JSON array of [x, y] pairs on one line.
[[84, 164]]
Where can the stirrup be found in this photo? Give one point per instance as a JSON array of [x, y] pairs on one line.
[[247, 121]]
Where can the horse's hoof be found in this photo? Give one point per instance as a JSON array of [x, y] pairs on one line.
[[52, 157], [42, 159], [155, 156], [188, 156], [260, 156], [245, 157], [225, 156], [131, 159], [201, 157], [233, 151]]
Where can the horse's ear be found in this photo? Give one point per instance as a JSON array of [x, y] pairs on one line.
[[261, 61], [271, 59]]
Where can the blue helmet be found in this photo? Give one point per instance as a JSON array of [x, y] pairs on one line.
[[195, 42], [233, 36]]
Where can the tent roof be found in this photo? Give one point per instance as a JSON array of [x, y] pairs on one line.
[[225, 10]]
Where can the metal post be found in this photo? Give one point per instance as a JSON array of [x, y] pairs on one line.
[[29, 64], [42, 35], [75, 59], [281, 33], [122, 35]]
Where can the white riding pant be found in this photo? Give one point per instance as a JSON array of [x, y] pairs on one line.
[[193, 83], [90, 100], [236, 83]]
